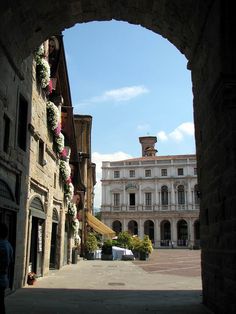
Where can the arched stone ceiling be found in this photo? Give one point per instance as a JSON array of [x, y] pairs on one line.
[[25, 24]]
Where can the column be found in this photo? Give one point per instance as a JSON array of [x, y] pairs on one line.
[[157, 233], [141, 229], [174, 231], [172, 200], [156, 201], [124, 225], [124, 195], [189, 200], [190, 233], [139, 196]]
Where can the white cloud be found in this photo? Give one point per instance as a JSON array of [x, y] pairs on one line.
[[118, 95], [125, 93], [178, 134], [162, 136], [98, 158]]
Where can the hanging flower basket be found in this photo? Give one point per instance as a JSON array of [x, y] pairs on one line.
[[53, 115]]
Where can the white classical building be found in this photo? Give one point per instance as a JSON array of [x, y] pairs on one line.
[[153, 195]]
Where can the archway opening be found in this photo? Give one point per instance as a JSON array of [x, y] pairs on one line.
[[117, 226], [133, 227], [149, 229], [165, 233], [182, 233]]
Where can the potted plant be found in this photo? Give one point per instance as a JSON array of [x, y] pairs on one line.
[[31, 278], [107, 251], [124, 240], [136, 244], [145, 248], [91, 245]]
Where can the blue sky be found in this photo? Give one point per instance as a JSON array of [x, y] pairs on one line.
[[134, 83]]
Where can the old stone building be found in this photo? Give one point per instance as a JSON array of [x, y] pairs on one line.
[[83, 127], [153, 195], [42, 188], [204, 31]]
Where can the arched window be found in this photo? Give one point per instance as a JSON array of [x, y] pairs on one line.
[[181, 196], [164, 195]]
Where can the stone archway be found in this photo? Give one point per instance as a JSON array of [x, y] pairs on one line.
[[149, 229], [182, 233], [117, 226], [165, 233], [133, 227], [204, 32]]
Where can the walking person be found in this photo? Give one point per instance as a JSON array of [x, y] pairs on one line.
[[6, 257]]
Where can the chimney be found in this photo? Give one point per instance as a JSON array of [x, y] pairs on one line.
[[148, 145]]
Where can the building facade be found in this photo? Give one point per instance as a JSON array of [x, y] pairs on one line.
[[153, 195], [42, 184]]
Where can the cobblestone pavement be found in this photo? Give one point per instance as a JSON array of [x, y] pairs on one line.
[[115, 287], [173, 262]]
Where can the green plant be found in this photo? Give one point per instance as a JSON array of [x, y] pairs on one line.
[[146, 245], [136, 244], [91, 243], [107, 247], [124, 240]]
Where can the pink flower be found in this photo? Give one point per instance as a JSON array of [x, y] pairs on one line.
[[64, 152], [49, 87], [57, 130], [68, 180]]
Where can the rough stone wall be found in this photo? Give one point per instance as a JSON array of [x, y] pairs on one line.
[[214, 111], [14, 164], [43, 177]]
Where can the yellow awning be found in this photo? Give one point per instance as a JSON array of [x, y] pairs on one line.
[[99, 226]]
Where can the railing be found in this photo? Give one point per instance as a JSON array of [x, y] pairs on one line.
[[165, 243], [170, 207], [132, 207], [182, 242]]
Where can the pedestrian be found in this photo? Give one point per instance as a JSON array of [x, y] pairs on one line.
[[6, 257]]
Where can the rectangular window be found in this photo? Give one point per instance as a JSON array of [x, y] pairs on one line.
[[148, 199], [163, 172], [116, 174], [148, 173], [132, 173], [180, 171], [116, 198], [6, 135], [132, 199], [41, 152], [22, 123], [195, 171]]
